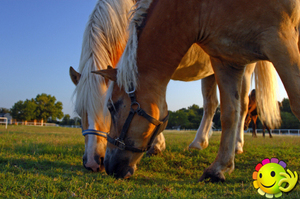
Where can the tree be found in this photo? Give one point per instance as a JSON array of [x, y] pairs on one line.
[[42, 107], [17, 111], [66, 119], [29, 107], [4, 110], [47, 107], [285, 106]]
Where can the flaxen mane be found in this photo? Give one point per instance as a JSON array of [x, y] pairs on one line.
[[104, 38], [127, 68]]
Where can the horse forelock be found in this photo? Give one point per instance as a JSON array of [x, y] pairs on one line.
[[127, 75], [100, 48]]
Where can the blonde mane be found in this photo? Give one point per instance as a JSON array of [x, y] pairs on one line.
[[127, 68], [104, 38]]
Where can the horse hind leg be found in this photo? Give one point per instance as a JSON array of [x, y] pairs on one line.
[[209, 93], [244, 108], [269, 130]]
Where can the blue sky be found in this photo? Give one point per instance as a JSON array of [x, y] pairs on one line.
[[41, 39]]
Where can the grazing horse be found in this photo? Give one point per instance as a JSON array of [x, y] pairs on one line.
[[101, 46], [252, 115], [161, 32]]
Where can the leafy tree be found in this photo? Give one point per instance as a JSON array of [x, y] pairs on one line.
[[17, 111], [66, 119], [42, 107], [29, 107], [4, 110], [285, 106], [47, 107]]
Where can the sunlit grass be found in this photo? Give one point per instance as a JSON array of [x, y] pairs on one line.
[[46, 162]]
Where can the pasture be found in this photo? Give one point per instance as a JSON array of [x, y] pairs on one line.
[[46, 162]]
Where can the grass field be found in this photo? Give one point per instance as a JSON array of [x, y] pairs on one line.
[[46, 162]]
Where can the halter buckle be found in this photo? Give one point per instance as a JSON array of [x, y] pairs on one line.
[[120, 144]]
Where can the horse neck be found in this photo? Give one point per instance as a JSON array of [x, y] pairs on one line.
[[161, 46]]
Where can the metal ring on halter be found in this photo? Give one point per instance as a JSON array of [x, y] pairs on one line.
[[94, 132], [133, 103]]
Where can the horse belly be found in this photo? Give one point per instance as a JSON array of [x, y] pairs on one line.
[[194, 65]]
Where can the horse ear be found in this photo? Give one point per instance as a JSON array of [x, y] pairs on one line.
[[75, 76], [110, 73]]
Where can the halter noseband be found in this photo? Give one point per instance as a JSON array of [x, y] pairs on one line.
[[94, 132], [160, 126]]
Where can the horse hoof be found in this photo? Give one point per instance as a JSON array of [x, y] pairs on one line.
[[212, 176], [239, 149], [153, 151], [198, 145]]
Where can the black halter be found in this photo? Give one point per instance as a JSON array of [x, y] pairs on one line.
[[94, 132], [160, 126]]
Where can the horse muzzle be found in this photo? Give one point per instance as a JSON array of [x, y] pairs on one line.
[[117, 165], [97, 164]]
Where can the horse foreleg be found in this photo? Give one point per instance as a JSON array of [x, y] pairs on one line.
[[244, 107], [210, 103], [229, 80]]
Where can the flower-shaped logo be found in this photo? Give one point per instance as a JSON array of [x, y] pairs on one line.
[[271, 179]]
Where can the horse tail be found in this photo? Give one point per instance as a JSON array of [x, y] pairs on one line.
[[104, 40], [266, 94]]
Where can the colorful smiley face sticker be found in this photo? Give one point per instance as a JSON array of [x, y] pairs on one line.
[[271, 179]]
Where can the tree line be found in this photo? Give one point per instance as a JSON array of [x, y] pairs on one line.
[[47, 108], [42, 107], [190, 118]]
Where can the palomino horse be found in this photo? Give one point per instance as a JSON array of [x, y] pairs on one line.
[[252, 115], [233, 33], [102, 46]]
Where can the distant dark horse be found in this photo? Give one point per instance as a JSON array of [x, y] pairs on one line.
[[252, 115]]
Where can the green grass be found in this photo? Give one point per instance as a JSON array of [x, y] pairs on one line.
[[46, 162]]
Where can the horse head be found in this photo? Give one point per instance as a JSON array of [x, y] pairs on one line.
[[136, 120], [94, 124]]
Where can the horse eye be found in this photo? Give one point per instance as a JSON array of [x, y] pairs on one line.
[[110, 107]]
